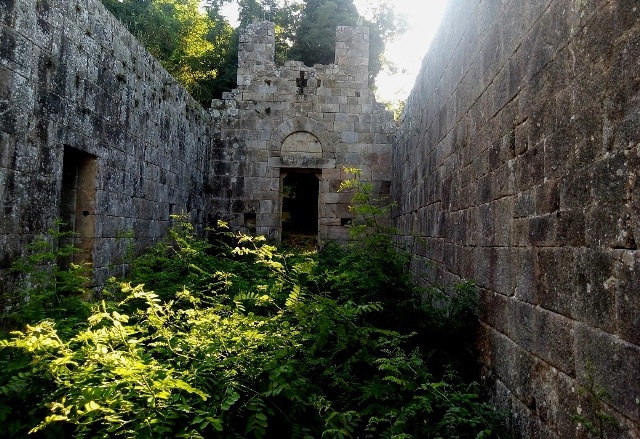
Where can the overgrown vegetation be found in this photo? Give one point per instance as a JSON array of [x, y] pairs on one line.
[[593, 414], [52, 285], [232, 337]]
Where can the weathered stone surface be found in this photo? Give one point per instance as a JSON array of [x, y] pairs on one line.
[[626, 281], [297, 119], [526, 115], [74, 83], [605, 361]]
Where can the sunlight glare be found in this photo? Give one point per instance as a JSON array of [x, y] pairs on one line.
[[406, 52]]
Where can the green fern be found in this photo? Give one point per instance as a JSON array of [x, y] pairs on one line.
[[233, 338]]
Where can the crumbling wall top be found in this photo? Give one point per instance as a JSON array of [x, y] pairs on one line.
[[256, 56]]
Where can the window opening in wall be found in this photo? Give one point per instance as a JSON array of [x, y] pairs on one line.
[[385, 188], [77, 200], [300, 190], [250, 219]]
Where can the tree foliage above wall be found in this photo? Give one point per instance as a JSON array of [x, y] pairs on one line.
[[192, 44], [198, 46], [314, 38], [315, 34]]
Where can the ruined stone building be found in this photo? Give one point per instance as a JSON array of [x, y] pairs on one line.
[[287, 133], [516, 162]]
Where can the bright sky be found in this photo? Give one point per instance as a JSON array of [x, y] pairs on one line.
[[423, 18]]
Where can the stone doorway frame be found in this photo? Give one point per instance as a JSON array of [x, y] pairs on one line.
[[284, 172], [78, 201]]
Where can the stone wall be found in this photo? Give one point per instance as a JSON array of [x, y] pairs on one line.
[[77, 89], [518, 161], [291, 119]]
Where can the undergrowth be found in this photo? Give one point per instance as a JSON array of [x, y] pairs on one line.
[[233, 338]]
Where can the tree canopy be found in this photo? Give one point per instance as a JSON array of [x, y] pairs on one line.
[[198, 46], [314, 38], [192, 44], [316, 31]]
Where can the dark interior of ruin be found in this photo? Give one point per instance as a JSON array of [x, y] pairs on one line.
[[300, 203]]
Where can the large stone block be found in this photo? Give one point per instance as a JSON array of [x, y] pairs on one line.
[[595, 289], [529, 168], [570, 228], [603, 361], [626, 281], [557, 274], [553, 338], [610, 227]]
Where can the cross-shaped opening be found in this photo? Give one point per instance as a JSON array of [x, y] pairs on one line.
[[301, 82]]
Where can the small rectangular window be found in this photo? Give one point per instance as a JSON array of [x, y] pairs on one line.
[[250, 221]]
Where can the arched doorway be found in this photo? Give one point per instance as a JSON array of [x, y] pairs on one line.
[[300, 190]]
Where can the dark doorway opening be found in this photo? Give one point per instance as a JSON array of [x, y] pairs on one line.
[[300, 190], [77, 201]]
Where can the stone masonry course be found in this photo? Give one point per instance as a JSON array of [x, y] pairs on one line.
[[515, 164], [517, 161]]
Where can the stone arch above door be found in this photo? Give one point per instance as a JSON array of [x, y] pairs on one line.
[[302, 124], [301, 143]]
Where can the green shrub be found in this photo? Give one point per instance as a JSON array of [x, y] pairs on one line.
[[233, 338], [243, 340], [371, 268], [49, 286]]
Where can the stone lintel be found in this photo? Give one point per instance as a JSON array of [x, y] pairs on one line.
[[302, 162]]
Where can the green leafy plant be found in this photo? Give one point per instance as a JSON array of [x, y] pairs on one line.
[[373, 268], [594, 417], [48, 286], [371, 213], [49, 283], [233, 338], [126, 252]]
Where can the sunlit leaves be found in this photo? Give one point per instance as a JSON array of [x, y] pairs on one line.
[[244, 340]]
